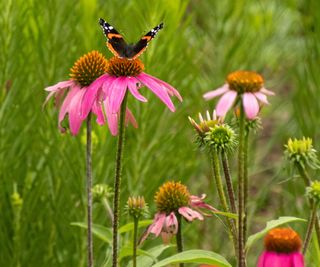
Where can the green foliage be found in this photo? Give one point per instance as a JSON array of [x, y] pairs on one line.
[[270, 225], [195, 256], [202, 42]]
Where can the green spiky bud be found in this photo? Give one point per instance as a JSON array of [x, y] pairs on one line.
[[301, 151], [100, 192], [221, 138], [313, 192], [137, 207]]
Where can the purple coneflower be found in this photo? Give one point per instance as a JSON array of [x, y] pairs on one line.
[[70, 95], [248, 85], [282, 248], [124, 75], [173, 200]]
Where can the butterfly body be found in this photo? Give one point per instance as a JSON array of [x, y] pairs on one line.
[[118, 46]]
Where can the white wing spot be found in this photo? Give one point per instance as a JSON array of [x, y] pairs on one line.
[[110, 27]]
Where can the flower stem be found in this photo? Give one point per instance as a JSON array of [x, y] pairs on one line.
[[89, 193], [106, 205], [227, 175], [222, 197], [307, 181], [179, 237], [134, 245], [117, 182], [241, 161], [245, 183], [311, 224]]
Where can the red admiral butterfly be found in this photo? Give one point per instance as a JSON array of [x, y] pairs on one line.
[[118, 46]]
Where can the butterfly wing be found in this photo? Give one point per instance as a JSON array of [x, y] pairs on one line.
[[137, 49], [116, 44]]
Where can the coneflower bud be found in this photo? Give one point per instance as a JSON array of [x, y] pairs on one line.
[[221, 138], [137, 207], [100, 192], [313, 192], [301, 151], [204, 126]]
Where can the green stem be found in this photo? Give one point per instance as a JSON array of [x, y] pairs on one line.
[[311, 224], [245, 184], [179, 237], [230, 190], [117, 182], [89, 193], [241, 161], [222, 197], [134, 245], [307, 180], [106, 205]]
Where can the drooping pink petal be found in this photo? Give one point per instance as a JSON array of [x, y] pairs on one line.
[[65, 105], [190, 214], [132, 85], [158, 222], [97, 110], [60, 85], [117, 92], [170, 89], [198, 202], [297, 259], [112, 118], [266, 91], [171, 223], [92, 93], [262, 97], [273, 259], [261, 259], [130, 118], [250, 105], [212, 94], [226, 102], [157, 89], [74, 111]]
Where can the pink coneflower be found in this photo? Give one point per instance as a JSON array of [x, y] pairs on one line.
[[125, 75], [248, 85], [71, 95], [282, 246], [173, 200]]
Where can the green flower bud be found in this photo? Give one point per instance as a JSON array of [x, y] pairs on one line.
[[100, 192], [301, 151], [137, 207], [313, 192], [221, 138]]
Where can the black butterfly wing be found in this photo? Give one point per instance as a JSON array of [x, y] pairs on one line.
[[137, 49], [116, 44]]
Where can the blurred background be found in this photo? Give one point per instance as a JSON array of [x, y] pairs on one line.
[[201, 43]]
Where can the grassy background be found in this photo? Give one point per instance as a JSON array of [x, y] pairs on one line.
[[201, 43]]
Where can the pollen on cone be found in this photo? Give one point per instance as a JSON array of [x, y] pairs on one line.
[[88, 68], [125, 67], [245, 81], [171, 196], [282, 240]]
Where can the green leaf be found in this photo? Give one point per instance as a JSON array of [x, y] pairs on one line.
[[103, 233], [128, 251], [129, 226], [153, 254], [270, 225], [195, 256]]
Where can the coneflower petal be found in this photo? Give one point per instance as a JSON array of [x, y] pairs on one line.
[[250, 105]]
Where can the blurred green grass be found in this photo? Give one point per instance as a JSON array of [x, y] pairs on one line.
[[201, 43]]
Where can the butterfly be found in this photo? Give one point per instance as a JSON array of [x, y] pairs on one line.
[[118, 46]]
